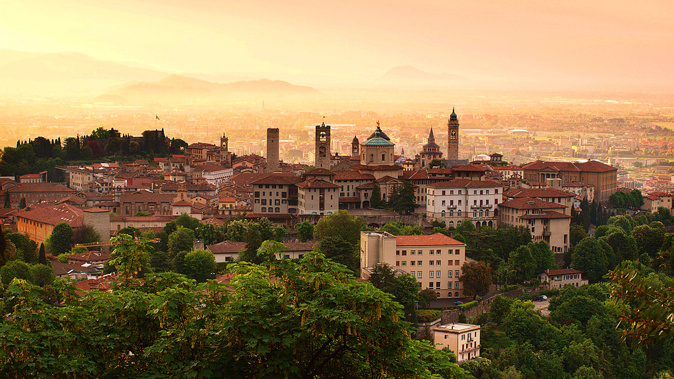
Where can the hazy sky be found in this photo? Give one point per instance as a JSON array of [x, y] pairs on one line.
[[578, 41]]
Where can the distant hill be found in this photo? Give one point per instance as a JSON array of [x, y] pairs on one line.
[[178, 88], [65, 73]]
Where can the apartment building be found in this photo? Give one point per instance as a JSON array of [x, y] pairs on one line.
[[545, 220], [462, 339], [434, 260], [457, 200], [560, 278]]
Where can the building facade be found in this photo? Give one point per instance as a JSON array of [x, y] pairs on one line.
[[462, 339], [455, 201]]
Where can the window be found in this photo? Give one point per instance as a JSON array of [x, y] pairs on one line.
[[277, 210], [437, 263], [397, 252], [450, 262], [419, 275], [456, 262], [456, 273], [412, 263], [449, 274], [412, 252], [430, 274], [264, 201], [418, 263], [456, 285], [404, 263], [431, 252], [437, 276], [404, 252], [437, 285], [431, 263], [413, 273], [430, 284], [420, 252], [264, 209], [397, 263]]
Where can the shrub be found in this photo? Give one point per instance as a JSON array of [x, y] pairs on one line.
[[428, 315], [468, 305]]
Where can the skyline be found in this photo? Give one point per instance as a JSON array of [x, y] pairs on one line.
[[621, 45]]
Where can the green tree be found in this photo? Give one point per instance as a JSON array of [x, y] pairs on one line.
[[305, 231], [476, 278], [341, 224], [593, 257], [339, 250], [253, 242], [436, 163], [61, 239], [577, 233], [181, 240], [649, 240], [130, 257], [15, 269], [403, 199], [42, 257], [279, 233], [523, 263], [266, 229], [42, 275], [624, 246], [200, 265], [375, 199], [22, 203], [8, 204]]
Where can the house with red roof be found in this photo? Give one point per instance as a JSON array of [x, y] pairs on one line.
[[560, 278], [435, 260], [545, 220], [455, 201]]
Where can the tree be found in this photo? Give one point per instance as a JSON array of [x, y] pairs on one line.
[[649, 240], [266, 228], [476, 278], [61, 239], [593, 257], [523, 263], [382, 277], [577, 233], [181, 240], [200, 265], [305, 231], [341, 224], [15, 269], [279, 233], [339, 250], [42, 275], [42, 257], [253, 242], [435, 163], [22, 203], [403, 199], [624, 246], [130, 257], [8, 204], [375, 199]]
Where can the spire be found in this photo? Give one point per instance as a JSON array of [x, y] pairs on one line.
[[431, 137], [355, 139], [453, 115]]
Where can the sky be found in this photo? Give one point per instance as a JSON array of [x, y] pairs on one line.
[[572, 41]]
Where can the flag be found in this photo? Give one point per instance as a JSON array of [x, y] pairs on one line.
[[156, 117]]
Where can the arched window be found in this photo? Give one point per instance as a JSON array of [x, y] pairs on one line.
[[451, 224], [443, 214], [451, 213]]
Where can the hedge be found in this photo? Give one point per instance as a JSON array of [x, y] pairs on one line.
[[427, 315]]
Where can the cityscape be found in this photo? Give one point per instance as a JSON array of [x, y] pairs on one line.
[[235, 190]]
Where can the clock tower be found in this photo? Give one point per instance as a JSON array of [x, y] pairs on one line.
[[453, 137]]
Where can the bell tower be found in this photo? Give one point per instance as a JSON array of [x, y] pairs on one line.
[[453, 137], [322, 154], [355, 147]]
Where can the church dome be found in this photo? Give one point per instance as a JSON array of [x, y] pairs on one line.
[[453, 115]]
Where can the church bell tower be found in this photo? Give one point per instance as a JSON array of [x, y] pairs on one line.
[[322, 155], [453, 137]]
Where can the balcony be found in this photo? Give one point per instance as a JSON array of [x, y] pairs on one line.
[[476, 206], [451, 206], [546, 232]]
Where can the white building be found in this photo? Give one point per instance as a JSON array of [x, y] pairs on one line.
[[463, 199]]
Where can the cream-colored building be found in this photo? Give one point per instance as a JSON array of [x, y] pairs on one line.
[[545, 220], [551, 195], [560, 278], [655, 200], [317, 197], [462, 339], [463, 199], [272, 194], [434, 260]]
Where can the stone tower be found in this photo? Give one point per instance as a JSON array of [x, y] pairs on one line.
[[355, 147], [225, 154], [453, 137], [322, 156], [273, 164]]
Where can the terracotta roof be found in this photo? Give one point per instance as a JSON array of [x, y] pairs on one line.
[[299, 246], [210, 167], [530, 203], [227, 199], [386, 179], [53, 215], [40, 187], [470, 167], [563, 271], [319, 171], [352, 175], [545, 215], [90, 256], [419, 175], [104, 283], [226, 247], [146, 197], [377, 168], [553, 166], [316, 183], [538, 192], [181, 203], [366, 186], [465, 183], [595, 166], [427, 240]]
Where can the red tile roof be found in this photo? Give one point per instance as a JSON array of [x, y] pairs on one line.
[[545, 215], [300, 246], [226, 247], [538, 192], [530, 203], [56, 214], [40, 187], [595, 166], [470, 167], [563, 271], [466, 183], [283, 179], [427, 240], [352, 175], [319, 172], [554, 166], [316, 183]]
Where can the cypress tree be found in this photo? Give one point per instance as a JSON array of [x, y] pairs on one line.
[[43, 255]]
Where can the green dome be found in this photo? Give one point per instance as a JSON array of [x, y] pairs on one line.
[[453, 115]]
